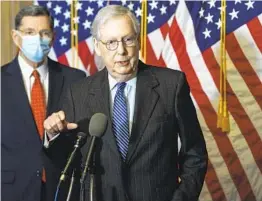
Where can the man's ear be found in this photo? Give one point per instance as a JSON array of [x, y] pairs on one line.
[[96, 46], [16, 38], [53, 39]]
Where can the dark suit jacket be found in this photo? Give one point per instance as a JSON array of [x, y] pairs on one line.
[[163, 110], [22, 152]]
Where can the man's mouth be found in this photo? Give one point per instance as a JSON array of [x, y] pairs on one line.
[[123, 63]]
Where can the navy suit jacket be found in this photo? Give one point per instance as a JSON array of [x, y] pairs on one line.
[[22, 151], [163, 110]]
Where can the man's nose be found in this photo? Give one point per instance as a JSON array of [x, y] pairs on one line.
[[121, 49]]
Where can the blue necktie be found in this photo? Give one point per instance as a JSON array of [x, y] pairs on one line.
[[120, 120]]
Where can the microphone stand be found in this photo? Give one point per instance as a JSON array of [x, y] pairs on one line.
[[91, 171], [80, 137], [82, 190], [71, 186], [92, 179]]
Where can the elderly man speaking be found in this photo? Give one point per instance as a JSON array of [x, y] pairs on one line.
[[148, 108]]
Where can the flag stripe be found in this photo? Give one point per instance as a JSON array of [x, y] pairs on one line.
[[63, 60], [157, 47], [73, 59], [52, 54], [260, 18], [164, 30], [255, 28], [214, 186], [87, 57], [169, 55], [152, 59], [250, 47], [205, 194], [243, 66]]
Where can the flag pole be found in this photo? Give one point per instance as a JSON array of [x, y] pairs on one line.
[[223, 115]]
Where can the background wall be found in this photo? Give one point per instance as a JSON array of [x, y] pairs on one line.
[[9, 10]]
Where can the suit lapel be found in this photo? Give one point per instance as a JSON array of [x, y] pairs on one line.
[[16, 85], [146, 99], [56, 80], [100, 94]]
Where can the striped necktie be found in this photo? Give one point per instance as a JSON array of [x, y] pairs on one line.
[[120, 120]]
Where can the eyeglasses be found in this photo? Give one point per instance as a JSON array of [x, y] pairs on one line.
[[46, 34], [113, 44]]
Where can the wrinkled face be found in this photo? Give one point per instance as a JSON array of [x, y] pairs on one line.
[[120, 58]]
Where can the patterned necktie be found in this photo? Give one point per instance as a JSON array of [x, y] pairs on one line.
[[120, 120], [38, 107]]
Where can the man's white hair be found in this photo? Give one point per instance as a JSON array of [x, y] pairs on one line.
[[108, 12]]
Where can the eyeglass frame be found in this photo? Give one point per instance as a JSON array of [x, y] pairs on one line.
[[118, 41], [41, 33]]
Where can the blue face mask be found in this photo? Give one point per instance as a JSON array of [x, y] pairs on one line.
[[35, 48]]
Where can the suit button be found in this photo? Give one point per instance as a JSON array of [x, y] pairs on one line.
[[38, 173]]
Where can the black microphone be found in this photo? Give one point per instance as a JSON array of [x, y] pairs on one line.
[[81, 139], [97, 128]]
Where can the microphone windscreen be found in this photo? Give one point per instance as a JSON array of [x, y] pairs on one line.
[[83, 125], [98, 124], [82, 137]]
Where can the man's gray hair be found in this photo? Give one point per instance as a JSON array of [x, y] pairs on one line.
[[108, 12], [33, 10]]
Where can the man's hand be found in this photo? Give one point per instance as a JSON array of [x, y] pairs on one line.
[[57, 123]]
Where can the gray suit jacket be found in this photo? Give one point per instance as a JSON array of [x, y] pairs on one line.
[[163, 110]]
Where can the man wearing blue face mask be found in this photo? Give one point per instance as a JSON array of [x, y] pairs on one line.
[[32, 87], [35, 46]]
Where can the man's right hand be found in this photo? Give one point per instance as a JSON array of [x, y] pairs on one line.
[[56, 123]]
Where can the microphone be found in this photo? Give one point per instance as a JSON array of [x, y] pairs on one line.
[[97, 127], [81, 140]]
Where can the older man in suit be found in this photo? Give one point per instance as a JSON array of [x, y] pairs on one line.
[[32, 86], [148, 108]]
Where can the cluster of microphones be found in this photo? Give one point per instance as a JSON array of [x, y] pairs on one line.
[[96, 129]]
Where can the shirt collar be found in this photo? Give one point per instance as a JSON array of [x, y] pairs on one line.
[[113, 82], [27, 70]]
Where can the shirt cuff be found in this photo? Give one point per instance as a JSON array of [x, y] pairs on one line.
[[47, 140]]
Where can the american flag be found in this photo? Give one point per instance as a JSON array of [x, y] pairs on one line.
[[185, 35]]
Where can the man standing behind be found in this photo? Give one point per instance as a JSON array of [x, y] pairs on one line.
[[148, 107], [32, 87]]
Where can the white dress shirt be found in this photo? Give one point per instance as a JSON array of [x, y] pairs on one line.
[[130, 94], [29, 80]]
